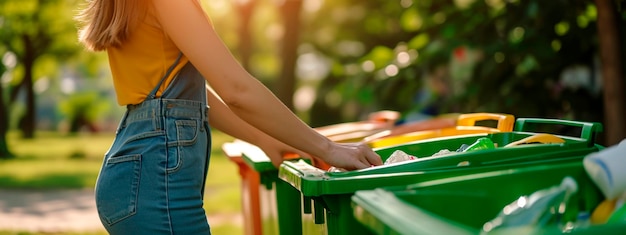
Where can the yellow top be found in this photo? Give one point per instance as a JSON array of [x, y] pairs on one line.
[[142, 60]]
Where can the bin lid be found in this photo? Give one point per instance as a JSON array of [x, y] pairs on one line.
[[255, 158]]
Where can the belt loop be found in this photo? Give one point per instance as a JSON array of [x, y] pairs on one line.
[[205, 112], [157, 113], [205, 117]]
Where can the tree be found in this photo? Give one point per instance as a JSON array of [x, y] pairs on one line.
[[290, 10], [32, 29], [5, 152], [610, 47], [245, 8]]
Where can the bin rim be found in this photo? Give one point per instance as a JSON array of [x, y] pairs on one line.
[[315, 182], [255, 158]]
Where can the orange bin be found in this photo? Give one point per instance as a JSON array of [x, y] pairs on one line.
[[250, 181]]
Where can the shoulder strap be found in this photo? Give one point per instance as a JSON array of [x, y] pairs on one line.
[[154, 91]]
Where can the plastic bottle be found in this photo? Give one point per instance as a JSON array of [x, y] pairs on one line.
[[606, 169], [536, 210], [481, 143], [462, 148]]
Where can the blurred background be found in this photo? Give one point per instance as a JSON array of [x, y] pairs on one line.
[[330, 62]]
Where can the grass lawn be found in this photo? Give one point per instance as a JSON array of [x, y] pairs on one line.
[[53, 161]]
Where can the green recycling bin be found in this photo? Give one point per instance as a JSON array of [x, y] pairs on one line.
[[325, 197], [464, 204]]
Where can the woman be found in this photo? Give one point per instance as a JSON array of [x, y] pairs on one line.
[[161, 54]]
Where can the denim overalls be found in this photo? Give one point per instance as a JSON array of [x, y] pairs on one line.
[[152, 178]]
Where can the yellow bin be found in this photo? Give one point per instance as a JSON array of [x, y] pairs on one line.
[[465, 124]]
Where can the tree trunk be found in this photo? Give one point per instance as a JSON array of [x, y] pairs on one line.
[[4, 126], [27, 123], [245, 37], [612, 73], [290, 10]]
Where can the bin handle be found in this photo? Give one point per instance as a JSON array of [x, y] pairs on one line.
[[505, 121], [588, 131], [541, 138]]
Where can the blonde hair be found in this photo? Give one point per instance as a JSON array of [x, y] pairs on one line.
[[107, 23]]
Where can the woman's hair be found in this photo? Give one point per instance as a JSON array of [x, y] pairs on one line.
[[107, 23]]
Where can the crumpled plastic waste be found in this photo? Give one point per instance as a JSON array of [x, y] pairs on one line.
[[336, 169], [442, 152], [399, 156], [535, 210]]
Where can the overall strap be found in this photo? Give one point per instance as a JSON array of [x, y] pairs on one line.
[[154, 91]]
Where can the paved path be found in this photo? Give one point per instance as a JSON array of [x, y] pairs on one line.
[[48, 210], [57, 211]]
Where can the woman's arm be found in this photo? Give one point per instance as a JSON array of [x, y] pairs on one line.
[[222, 118], [190, 29]]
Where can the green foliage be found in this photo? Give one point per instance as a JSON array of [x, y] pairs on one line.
[[49, 24], [39, 32], [466, 56], [41, 35], [84, 108]]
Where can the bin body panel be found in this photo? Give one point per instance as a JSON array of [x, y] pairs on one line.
[[278, 209], [288, 207], [279, 205]]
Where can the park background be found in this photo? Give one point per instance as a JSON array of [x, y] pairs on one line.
[[329, 61]]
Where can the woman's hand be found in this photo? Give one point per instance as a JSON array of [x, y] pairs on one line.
[[349, 156], [352, 156]]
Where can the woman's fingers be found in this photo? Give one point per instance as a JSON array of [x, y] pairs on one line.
[[374, 159], [359, 156]]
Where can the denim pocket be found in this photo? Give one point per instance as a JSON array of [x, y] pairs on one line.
[[117, 188], [186, 136], [186, 132]]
